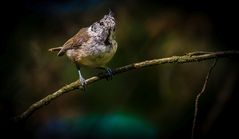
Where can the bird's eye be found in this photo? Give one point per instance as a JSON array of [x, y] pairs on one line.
[[94, 27]]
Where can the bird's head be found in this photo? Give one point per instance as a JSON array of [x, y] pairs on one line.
[[107, 23]]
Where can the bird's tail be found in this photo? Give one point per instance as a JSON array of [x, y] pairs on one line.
[[60, 50], [55, 49]]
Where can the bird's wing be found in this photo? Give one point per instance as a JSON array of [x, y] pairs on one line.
[[81, 37], [66, 46], [75, 42]]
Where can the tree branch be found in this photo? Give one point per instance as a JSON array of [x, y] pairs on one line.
[[199, 95], [187, 58]]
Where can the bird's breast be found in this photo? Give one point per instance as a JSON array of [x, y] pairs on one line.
[[94, 55], [98, 55]]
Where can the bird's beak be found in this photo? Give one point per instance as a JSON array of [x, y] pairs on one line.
[[111, 13]]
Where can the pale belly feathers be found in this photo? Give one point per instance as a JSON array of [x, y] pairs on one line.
[[93, 56]]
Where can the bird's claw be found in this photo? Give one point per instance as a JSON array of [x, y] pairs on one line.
[[109, 74], [83, 83]]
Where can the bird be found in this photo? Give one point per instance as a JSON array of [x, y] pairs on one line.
[[93, 46]]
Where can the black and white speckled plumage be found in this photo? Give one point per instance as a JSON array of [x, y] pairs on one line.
[[93, 46]]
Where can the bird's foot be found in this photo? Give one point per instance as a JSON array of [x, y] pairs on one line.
[[83, 83], [109, 75]]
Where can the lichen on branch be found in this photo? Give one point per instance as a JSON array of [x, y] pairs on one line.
[[187, 58]]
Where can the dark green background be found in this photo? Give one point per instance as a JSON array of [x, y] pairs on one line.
[[156, 102]]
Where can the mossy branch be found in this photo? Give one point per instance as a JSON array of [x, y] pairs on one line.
[[187, 58]]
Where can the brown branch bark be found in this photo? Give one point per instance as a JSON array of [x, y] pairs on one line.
[[199, 95], [187, 58]]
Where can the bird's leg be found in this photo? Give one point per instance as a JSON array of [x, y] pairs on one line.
[[81, 79], [109, 72]]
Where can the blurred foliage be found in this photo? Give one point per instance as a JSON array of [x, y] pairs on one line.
[[161, 96], [114, 125]]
